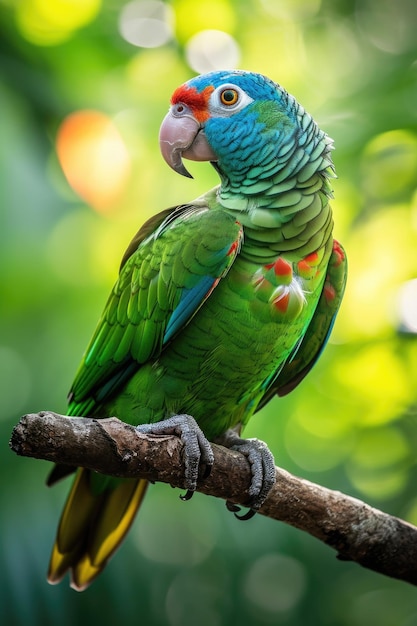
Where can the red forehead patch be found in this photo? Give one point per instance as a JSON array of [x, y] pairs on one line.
[[196, 100]]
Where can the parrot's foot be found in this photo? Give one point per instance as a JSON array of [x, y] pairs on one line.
[[262, 467], [197, 449]]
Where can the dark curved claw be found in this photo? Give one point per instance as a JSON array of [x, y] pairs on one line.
[[248, 515], [207, 471], [232, 507], [235, 509], [187, 496]]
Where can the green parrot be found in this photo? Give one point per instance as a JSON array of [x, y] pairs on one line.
[[220, 304]]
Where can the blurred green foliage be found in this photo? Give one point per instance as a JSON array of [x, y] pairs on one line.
[[351, 425]]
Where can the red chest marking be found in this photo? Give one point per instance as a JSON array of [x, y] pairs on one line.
[[307, 267], [329, 292], [276, 285], [279, 272], [312, 259], [282, 268], [282, 303], [339, 252]]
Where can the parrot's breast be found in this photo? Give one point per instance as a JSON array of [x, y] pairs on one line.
[[219, 366]]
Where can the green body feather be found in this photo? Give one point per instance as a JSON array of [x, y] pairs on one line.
[[220, 304]]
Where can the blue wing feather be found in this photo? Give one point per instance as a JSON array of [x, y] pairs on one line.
[[189, 302]]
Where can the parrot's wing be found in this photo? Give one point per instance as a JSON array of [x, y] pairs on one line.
[[169, 270], [315, 338]]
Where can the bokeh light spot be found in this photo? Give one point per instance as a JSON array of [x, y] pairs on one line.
[[312, 452], [275, 583], [383, 247], [212, 50], [201, 601], [146, 24], [179, 544], [380, 448], [45, 23], [375, 470], [93, 157], [192, 17], [377, 378], [390, 163]]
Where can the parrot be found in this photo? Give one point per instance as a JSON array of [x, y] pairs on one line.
[[220, 303]]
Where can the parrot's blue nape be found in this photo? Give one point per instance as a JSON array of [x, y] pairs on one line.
[[221, 303]]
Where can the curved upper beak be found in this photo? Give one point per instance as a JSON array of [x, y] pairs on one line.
[[182, 135]]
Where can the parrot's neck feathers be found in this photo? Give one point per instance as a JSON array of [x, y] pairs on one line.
[[286, 197], [298, 164]]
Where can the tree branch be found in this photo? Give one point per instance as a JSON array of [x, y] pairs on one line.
[[357, 531]]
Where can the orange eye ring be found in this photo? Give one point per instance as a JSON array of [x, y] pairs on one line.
[[229, 97]]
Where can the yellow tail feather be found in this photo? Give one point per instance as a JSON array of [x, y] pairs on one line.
[[92, 527]]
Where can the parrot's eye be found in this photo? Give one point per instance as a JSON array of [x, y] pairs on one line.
[[229, 97], [227, 100]]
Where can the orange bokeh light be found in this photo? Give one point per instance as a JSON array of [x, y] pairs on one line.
[[93, 157]]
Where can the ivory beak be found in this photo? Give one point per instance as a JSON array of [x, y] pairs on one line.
[[181, 135]]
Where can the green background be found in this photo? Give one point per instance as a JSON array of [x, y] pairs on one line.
[[350, 426]]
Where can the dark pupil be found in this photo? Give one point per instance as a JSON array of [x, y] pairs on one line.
[[228, 96]]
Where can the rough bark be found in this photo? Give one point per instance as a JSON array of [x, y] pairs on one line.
[[357, 531]]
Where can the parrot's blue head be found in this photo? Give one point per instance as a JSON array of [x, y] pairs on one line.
[[243, 122], [256, 86]]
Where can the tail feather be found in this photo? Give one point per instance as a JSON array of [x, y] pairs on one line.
[[92, 526], [79, 508]]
